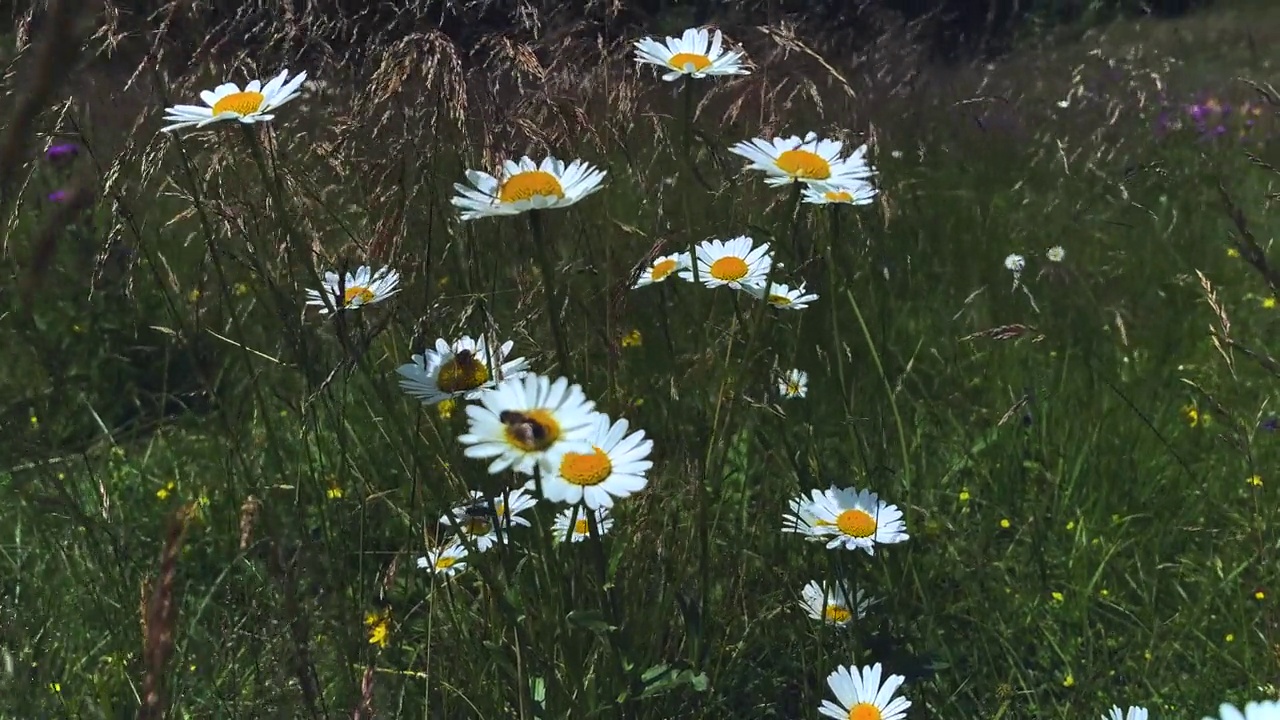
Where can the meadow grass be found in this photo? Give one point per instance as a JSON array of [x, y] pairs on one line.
[[215, 495]]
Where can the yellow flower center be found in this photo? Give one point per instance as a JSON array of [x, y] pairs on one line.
[[580, 527], [444, 562], [804, 164], [533, 431], [793, 388], [856, 523], [837, 613], [240, 103], [729, 268], [680, 61], [662, 269], [838, 196], [864, 711], [529, 184], [586, 469], [779, 300], [461, 373], [357, 296]]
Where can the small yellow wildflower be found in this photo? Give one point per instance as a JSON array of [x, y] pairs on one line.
[[1194, 417], [1259, 595], [240, 289], [1104, 592], [1058, 598], [379, 627], [1254, 480], [632, 339], [1004, 523], [1269, 303], [446, 407], [1069, 681], [964, 495], [1230, 637], [334, 492], [1071, 524], [1233, 253], [35, 421], [164, 492], [193, 296], [55, 688]]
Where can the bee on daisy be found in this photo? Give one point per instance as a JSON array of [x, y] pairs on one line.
[[737, 263], [853, 192], [524, 185], [571, 523], [696, 53], [613, 467], [848, 518], [662, 268], [461, 369], [860, 693], [793, 384], [227, 101], [831, 604], [355, 289], [487, 521], [529, 422], [445, 560], [809, 160], [782, 296]]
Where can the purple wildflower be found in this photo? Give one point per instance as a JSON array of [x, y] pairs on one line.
[[61, 153], [58, 196]]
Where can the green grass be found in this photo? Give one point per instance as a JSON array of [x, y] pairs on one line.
[[1075, 540]]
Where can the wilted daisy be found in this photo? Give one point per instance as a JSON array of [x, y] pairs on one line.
[[783, 296], [613, 467], [847, 517], [362, 287], [462, 369], [793, 384], [487, 521], [662, 268], [1055, 254], [856, 192], [525, 185], [529, 422], [447, 560], [830, 604], [228, 102], [861, 696], [735, 263], [808, 159], [577, 515], [1265, 710], [1133, 713], [696, 53]]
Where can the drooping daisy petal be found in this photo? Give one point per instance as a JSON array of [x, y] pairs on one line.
[[357, 289], [462, 368], [613, 467], [808, 159], [229, 102], [525, 185], [860, 695], [529, 422], [782, 296], [737, 263], [695, 54], [662, 268], [572, 523]]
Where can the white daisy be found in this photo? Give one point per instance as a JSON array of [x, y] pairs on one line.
[[488, 521], [847, 517], [1133, 713], [526, 185], [807, 159], [462, 369], [662, 268], [694, 54], [793, 384], [359, 288], [861, 695], [735, 263], [856, 192], [1265, 710], [830, 604], [228, 102], [577, 515], [447, 560], [529, 422], [1055, 254], [1015, 264], [783, 296], [613, 467]]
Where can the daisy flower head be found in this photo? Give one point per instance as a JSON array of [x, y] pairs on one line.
[[1015, 264], [524, 185], [1265, 710], [696, 53], [1133, 713], [463, 369], [572, 523], [251, 105], [529, 422], [802, 519], [808, 160], [355, 289], [486, 521], [793, 384], [1055, 254], [856, 520], [860, 695], [830, 604], [853, 192], [782, 296], [662, 268], [445, 560], [613, 466], [736, 263]]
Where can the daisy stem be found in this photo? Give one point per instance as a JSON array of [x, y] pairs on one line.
[[550, 291], [888, 386], [834, 311]]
